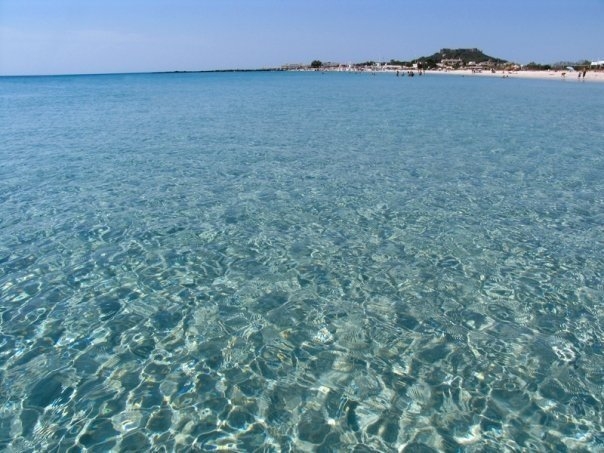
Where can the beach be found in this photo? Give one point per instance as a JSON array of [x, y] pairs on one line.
[[590, 75]]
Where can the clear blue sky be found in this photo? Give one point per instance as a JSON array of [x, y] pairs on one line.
[[97, 36]]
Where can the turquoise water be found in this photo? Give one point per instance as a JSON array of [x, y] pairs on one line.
[[301, 262]]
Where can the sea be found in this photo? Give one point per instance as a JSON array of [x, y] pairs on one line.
[[296, 262]]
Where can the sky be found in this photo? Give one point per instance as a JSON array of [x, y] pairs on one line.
[[106, 36]]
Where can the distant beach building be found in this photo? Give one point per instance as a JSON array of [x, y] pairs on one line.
[[451, 62], [487, 64], [599, 64], [330, 66], [392, 67], [293, 67]]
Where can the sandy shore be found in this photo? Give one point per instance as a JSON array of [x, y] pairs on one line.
[[572, 76]]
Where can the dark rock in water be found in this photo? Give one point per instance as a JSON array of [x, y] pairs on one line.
[[109, 308], [217, 405], [239, 418], [29, 417], [552, 389], [351, 416], [278, 416], [45, 391], [234, 215], [205, 429], [211, 352], [406, 321], [252, 387], [160, 421], [214, 361], [165, 320], [42, 347], [450, 262], [272, 300], [330, 444], [144, 348], [150, 393], [333, 403], [136, 441], [124, 322], [253, 438], [130, 380], [111, 406], [205, 383], [433, 355], [313, 428], [157, 371], [418, 447], [386, 427], [99, 434], [86, 364], [511, 399], [362, 448], [5, 427], [391, 429], [474, 319]]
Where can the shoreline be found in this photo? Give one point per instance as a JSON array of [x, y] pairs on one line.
[[566, 75], [590, 76]]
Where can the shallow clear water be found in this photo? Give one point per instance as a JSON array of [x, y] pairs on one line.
[[297, 262]]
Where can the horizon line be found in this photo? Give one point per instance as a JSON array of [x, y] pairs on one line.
[[176, 71]]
